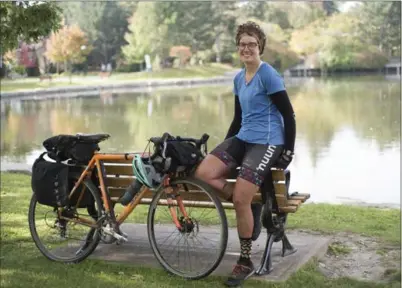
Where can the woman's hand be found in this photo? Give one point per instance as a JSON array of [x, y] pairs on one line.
[[285, 159]]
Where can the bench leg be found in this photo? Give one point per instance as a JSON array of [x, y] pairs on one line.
[[266, 263], [287, 248]]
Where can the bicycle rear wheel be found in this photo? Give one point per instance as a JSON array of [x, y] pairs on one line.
[[64, 240], [201, 247]]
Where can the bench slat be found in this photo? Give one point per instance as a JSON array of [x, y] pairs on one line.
[[278, 175], [118, 181], [288, 209], [302, 197], [294, 202], [119, 170], [121, 161], [281, 194], [118, 192]]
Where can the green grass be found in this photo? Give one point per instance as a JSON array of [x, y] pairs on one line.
[[393, 274], [206, 71], [24, 266], [384, 224], [338, 249], [8, 86]]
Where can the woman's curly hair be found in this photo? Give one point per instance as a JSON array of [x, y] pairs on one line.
[[252, 29]]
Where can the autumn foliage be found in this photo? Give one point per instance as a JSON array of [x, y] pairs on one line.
[[69, 44]]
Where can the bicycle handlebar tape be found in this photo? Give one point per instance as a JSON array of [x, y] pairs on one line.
[[131, 191], [165, 136], [204, 138]]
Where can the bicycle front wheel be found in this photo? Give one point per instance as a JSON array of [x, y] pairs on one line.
[[195, 250]]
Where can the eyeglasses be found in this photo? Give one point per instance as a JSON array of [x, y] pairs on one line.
[[251, 45]]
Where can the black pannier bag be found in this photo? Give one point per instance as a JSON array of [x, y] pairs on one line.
[[63, 147], [183, 155], [52, 183], [49, 182]]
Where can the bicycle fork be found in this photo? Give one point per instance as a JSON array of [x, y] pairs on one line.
[[171, 196]]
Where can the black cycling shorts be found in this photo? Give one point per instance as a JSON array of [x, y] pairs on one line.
[[255, 160]]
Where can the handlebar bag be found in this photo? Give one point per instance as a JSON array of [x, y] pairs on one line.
[[183, 155]]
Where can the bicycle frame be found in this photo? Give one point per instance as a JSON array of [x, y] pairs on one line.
[[96, 163]]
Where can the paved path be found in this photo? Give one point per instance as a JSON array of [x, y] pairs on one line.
[[138, 251]]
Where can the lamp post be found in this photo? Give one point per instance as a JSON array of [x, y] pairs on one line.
[[83, 48]]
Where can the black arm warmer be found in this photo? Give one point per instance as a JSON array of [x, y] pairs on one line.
[[236, 123], [282, 102]]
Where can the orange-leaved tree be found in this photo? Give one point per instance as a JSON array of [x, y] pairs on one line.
[[69, 45]]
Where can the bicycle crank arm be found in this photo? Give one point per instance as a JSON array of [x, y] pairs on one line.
[[111, 232]]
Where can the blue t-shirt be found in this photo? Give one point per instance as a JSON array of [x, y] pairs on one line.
[[262, 123]]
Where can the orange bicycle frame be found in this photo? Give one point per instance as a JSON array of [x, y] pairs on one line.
[[95, 163]]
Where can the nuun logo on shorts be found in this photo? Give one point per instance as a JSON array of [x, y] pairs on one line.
[[267, 156]]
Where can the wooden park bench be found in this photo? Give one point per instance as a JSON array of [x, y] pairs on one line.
[[278, 203]]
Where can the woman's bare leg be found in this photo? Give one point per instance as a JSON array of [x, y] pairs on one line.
[[213, 171]]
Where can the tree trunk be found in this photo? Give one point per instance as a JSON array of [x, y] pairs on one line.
[[218, 48], [104, 46], [68, 69]]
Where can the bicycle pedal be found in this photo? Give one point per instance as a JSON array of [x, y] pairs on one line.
[[119, 242], [123, 234]]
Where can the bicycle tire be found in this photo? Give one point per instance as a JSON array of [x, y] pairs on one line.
[[90, 247], [224, 229]]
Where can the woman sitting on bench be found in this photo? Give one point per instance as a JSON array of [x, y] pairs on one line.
[[261, 135]]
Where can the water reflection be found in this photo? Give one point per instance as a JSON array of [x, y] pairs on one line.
[[348, 130]]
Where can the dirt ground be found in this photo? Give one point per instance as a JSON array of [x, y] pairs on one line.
[[362, 258]]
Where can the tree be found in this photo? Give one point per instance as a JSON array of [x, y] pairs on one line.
[[195, 29], [84, 14], [147, 35], [256, 9], [336, 43], [380, 23], [225, 28], [69, 45], [277, 16], [27, 21], [111, 29], [105, 24], [300, 14], [330, 7]]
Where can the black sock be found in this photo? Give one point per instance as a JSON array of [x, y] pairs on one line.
[[245, 251]]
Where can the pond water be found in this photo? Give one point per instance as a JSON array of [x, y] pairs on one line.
[[348, 130]]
